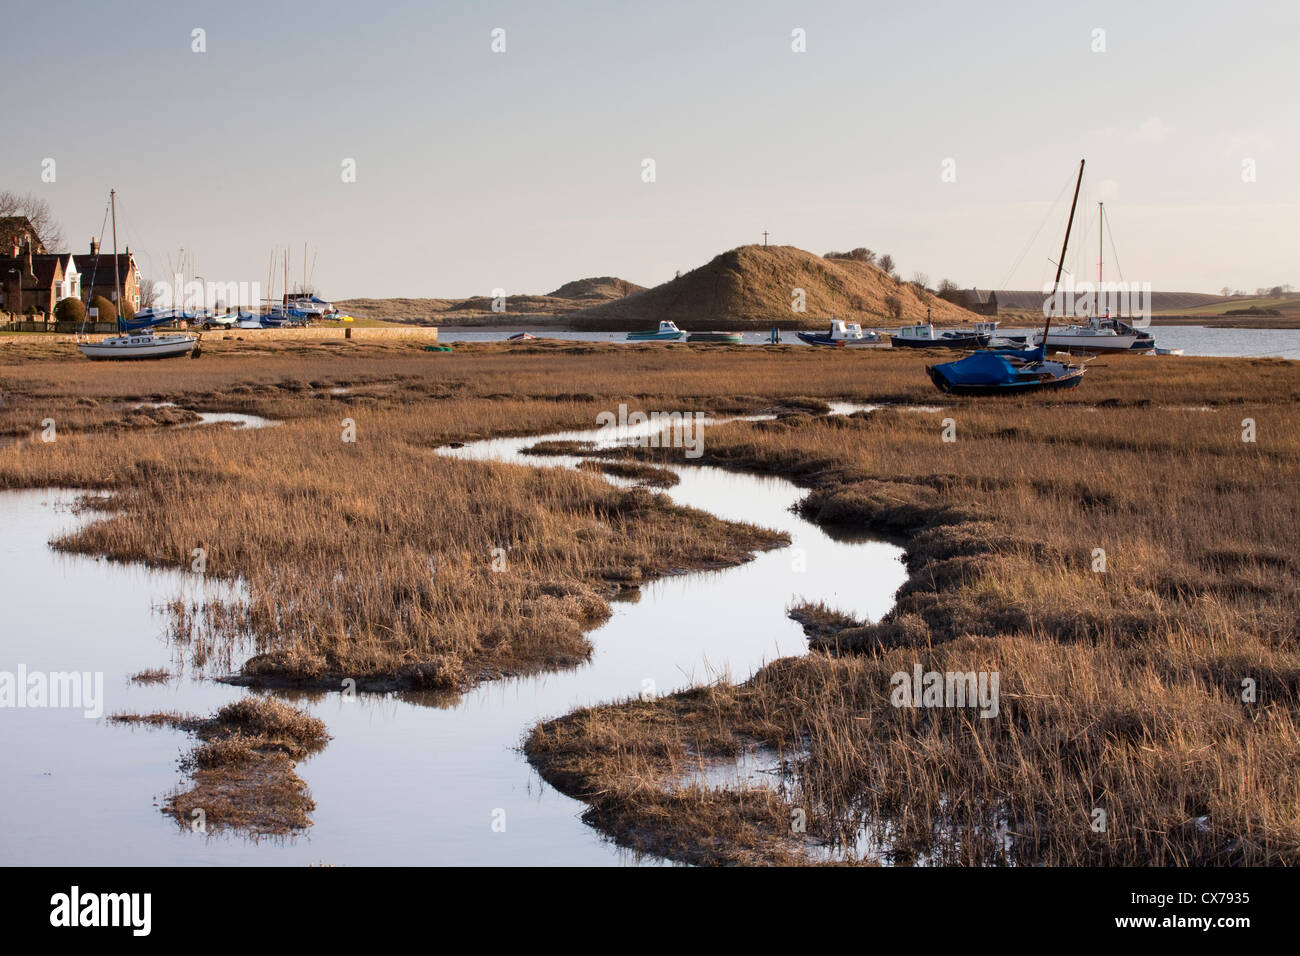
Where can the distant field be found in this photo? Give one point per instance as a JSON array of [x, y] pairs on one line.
[[1287, 304]]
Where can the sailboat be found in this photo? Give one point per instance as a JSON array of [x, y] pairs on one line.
[[1101, 333], [1014, 371], [134, 345]]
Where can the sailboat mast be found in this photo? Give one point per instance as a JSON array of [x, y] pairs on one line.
[[1101, 253], [117, 275], [1060, 263]]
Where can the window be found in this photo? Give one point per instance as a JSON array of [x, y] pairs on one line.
[[58, 291]]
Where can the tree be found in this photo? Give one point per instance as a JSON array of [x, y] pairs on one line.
[[1275, 292], [894, 306], [38, 212], [69, 310], [148, 293], [920, 280], [886, 263], [106, 311], [1225, 291]]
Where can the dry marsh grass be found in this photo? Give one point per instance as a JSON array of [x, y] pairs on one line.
[[242, 772], [1120, 690]]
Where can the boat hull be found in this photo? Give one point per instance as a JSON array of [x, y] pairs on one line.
[[138, 348], [1096, 345], [716, 338], [656, 336], [812, 338], [946, 342], [1070, 380]]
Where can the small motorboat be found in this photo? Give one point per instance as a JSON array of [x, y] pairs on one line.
[[717, 338], [520, 337], [144, 345], [1169, 351], [667, 332], [841, 333], [923, 336]]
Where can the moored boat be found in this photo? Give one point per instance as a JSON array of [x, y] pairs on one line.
[[144, 345], [667, 332], [139, 345], [1004, 372], [717, 338], [520, 337], [841, 333], [1097, 336], [1014, 371], [924, 336]]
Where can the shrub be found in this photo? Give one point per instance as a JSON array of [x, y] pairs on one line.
[[70, 309], [106, 311]]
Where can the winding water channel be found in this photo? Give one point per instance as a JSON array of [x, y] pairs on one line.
[[406, 778]]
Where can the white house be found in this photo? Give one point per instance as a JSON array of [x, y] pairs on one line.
[[70, 285]]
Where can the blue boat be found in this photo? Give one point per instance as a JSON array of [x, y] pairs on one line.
[[1004, 372], [1013, 371]]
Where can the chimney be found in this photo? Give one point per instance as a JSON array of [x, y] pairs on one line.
[[17, 247], [94, 246]]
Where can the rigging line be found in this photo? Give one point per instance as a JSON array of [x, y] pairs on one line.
[[95, 269], [1113, 253], [1032, 239]]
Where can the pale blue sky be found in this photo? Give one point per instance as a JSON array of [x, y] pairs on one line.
[[522, 170]]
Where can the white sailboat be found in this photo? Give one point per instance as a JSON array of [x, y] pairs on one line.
[[1100, 333], [138, 345]]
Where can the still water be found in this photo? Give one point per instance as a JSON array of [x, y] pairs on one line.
[[1193, 339], [405, 779]]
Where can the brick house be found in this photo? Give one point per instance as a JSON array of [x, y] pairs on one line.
[[96, 271], [31, 279]]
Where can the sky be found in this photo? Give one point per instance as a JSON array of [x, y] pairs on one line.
[[946, 134]]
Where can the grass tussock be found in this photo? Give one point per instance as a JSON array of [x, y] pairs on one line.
[[242, 772]]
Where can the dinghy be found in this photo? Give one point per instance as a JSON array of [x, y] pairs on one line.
[[717, 338]]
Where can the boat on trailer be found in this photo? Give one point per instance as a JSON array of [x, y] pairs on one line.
[[1014, 371], [135, 345], [667, 332], [841, 334]]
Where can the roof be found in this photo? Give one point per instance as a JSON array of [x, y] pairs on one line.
[[981, 298], [98, 269], [45, 268], [22, 227]]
